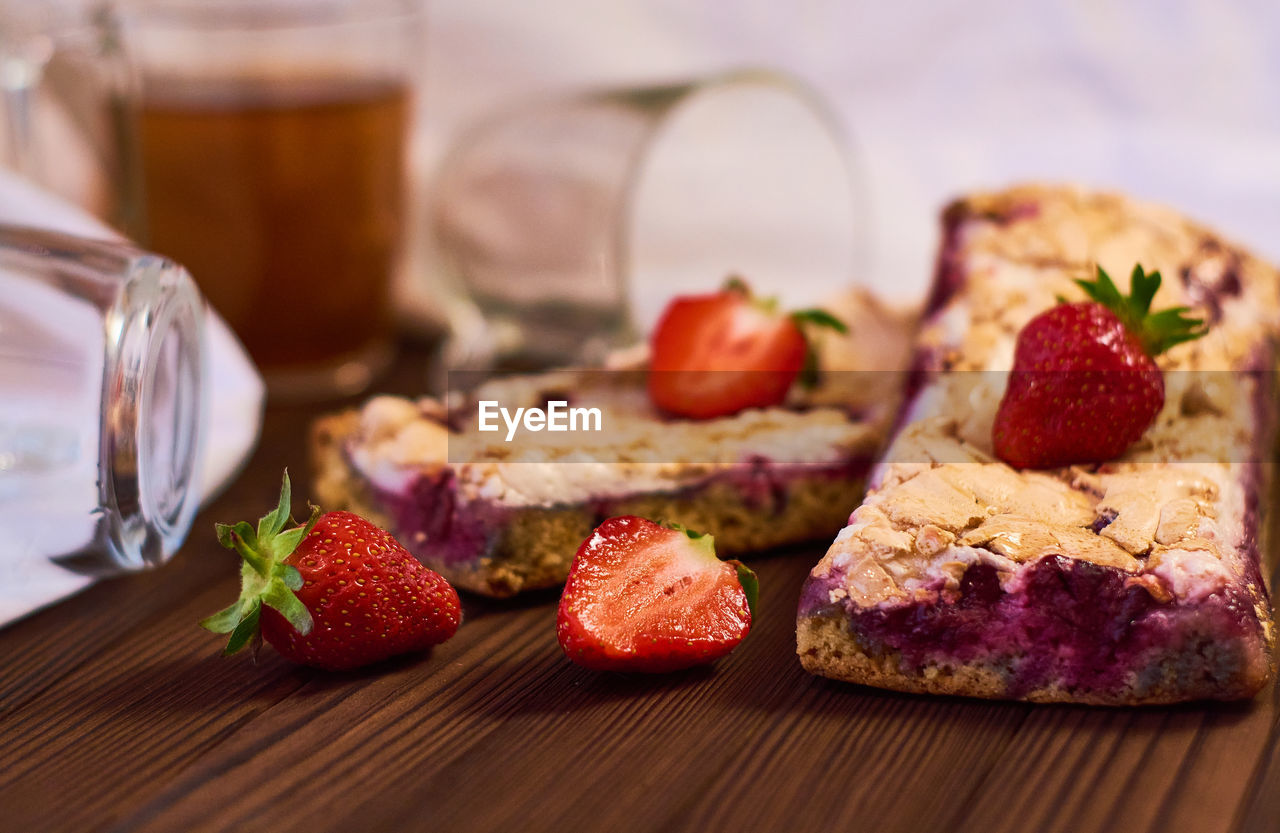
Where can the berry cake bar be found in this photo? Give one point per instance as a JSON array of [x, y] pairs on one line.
[[503, 518], [1134, 581]]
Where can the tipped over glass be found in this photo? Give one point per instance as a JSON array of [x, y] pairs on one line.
[[101, 354]]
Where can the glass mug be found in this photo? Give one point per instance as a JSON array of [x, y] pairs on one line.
[[272, 147], [101, 351]]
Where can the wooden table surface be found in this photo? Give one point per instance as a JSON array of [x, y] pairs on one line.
[[117, 713]]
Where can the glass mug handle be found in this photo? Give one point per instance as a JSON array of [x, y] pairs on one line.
[[101, 354]]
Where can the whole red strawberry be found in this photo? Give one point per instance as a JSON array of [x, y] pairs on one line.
[[335, 593], [1085, 385], [646, 597]]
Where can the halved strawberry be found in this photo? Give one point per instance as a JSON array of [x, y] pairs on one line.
[[714, 355], [647, 597]]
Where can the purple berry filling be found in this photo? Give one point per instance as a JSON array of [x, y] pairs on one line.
[[439, 526], [1103, 521], [1208, 290], [1071, 623]]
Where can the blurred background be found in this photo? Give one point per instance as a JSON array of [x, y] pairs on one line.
[[472, 183], [1177, 102]]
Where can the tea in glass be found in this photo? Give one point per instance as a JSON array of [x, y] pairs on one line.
[[272, 142]]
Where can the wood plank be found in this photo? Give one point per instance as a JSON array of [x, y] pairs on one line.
[[1259, 811], [1077, 769], [434, 751]]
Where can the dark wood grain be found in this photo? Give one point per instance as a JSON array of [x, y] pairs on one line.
[[117, 713]]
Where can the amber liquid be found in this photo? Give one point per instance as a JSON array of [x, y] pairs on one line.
[[284, 200]]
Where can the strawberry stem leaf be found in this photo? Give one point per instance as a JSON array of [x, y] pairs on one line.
[[750, 585], [228, 533], [291, 577], [1142, 289], [810, 372], [265, 578], [244, 631], [260, 565], [1157, 331], [311, 520], [1105, 292], [819, 318], [272, 522], [280, 597], [225, 620], [287, 542], [735, 283]]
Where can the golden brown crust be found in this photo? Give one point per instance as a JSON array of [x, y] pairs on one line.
[[826, 648]]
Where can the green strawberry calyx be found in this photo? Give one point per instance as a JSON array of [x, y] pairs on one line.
[[1157, 331], [264, 577], [706, 543], [750, 585]]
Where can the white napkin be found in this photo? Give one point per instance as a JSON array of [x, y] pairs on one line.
[[233, 391]]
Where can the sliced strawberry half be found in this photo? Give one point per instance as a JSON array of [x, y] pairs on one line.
[[646, 597], [718, 354]]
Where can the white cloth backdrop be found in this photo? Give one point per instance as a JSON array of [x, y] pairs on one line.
[[1176, 101]]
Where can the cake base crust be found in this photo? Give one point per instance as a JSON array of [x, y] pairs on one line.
[[826, 647], [533, 547]]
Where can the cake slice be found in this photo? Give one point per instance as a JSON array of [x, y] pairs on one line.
[[499, 518], [1135, 581]]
